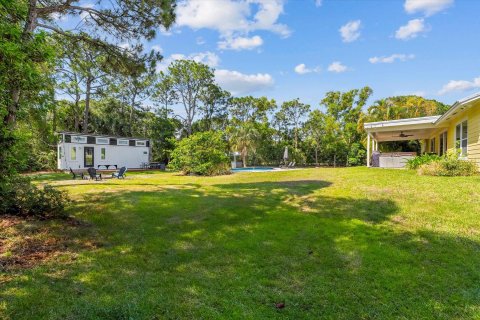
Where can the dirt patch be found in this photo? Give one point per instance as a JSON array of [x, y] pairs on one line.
[[26, 243]]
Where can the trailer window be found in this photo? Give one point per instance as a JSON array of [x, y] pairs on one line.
[[103, 141], [102, 153], [59, 152]]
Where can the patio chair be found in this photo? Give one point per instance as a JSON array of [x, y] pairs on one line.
[[92, 172], [291, 164], [120, 173], [76, 175]]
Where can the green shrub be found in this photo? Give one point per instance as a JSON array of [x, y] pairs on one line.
[[356, 155], [18, 196], [203, 153], [448, 166], [418, 161]]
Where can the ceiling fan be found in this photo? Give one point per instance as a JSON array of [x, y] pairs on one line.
[[403, 135]]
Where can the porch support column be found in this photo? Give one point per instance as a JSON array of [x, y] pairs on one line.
[[368, 150]]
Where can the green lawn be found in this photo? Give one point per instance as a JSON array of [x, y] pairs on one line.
[[351, 243]]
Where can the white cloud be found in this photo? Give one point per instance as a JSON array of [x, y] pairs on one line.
[[460, 85], [411, 30], [427, 7], [157, 48], [318, 3], [124, 45], [239, 83], [302, 69], [209, 58], [240, 43], [351, 31], [58, 16], [337, 67], [200, 41], [231, 17], [392, 58], [84, 14]]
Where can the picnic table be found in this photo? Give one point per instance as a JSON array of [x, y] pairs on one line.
[[83, 173], [107, 166]]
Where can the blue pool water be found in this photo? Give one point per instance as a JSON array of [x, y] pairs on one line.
[[250, 169]]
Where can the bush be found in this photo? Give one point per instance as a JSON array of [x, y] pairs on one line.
[[418, 161], [203, 153], [356, 155], [18, 196], [449, 166]]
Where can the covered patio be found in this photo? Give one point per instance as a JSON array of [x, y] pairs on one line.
[[397, 130]]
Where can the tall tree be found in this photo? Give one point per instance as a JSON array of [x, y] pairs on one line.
[[133, 90], [118, 19], [291, 115], [189, 79], [345, 108], [214, 106], [164, 95], [315, 128], [248, 123]]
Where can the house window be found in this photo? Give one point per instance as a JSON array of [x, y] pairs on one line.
[[73, 153], [103, 141], [432, 145], [122, 142], [102, 153], [443, 143], [59, 152], [79, 139], [461, 137], [140, 144]]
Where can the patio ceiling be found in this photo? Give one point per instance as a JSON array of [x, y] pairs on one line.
[[404, 129], [402, 135]]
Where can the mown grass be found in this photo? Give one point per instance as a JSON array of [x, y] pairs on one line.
[[328, 243]]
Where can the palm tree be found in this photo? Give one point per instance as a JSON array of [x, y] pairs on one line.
[[244, 138]]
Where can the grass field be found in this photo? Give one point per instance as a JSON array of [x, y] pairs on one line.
[[351, 243]]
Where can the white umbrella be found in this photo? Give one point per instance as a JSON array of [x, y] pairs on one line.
[[285, 154]]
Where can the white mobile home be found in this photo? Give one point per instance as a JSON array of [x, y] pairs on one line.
[[79, 151]]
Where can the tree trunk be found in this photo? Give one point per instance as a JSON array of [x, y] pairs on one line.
[[30, 24], [11, 115], [88, 90], [134, 96], [244, 157], [316, 157]]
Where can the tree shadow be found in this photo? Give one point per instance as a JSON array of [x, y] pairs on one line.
[[234, 250]]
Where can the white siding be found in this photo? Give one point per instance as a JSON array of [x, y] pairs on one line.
[[130, 157]]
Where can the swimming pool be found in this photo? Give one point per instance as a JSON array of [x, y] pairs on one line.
[[253, 169]]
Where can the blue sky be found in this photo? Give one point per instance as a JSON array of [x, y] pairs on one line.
[[294, 48], [286, 49]]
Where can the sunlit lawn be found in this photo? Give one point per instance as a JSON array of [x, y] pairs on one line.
[[328, 243]]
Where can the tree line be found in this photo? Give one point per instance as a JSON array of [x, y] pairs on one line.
[[93, 95]]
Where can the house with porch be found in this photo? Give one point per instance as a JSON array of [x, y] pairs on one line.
[[458, 128]]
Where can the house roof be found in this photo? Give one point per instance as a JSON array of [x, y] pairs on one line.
[[401, 122], [99, 135], [459, 105]]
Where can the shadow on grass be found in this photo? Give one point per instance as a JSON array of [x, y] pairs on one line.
[[234, 250]]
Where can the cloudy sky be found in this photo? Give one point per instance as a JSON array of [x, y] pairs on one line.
[[286, 49], [303, 48]]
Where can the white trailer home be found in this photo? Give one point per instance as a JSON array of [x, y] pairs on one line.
[[80, 151]]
